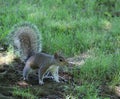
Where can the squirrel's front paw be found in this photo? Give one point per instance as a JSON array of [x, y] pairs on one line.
[[57, 81], [56, 78], [41, 82]]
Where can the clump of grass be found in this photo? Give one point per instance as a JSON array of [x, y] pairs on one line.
[[23, 93], [97, 71]]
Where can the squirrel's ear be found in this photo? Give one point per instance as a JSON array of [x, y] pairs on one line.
[[56, 55]]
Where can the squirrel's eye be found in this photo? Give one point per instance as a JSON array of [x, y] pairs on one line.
[[60, 60]]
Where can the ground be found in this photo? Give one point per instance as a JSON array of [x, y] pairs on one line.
[[11, 79], [12, 86]]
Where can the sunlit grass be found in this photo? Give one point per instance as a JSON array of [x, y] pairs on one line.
[[8, 58]]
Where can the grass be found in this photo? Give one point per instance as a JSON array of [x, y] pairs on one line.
[[102, 70], [23, 93], [73, 27]]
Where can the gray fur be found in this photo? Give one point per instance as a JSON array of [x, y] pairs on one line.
[[43, 64], [33, 36]]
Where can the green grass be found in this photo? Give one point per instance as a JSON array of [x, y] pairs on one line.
[[102, 70], [23, 93], [73, 27]]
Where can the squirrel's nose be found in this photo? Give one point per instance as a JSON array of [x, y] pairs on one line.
[[70, 64]]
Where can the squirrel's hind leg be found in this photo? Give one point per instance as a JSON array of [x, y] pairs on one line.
[[26, 71]]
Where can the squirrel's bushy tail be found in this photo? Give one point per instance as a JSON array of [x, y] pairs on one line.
[[26, 39]]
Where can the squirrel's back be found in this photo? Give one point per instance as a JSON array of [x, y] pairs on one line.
[[26, 39]]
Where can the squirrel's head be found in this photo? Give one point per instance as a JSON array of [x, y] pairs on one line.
[[60, 60]]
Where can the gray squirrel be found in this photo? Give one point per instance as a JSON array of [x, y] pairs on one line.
[[27, 41]]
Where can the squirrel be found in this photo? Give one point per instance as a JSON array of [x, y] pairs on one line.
[[27, 41]]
